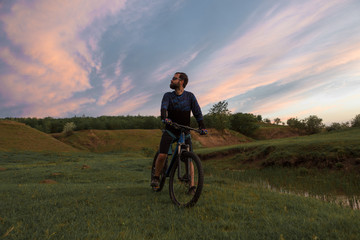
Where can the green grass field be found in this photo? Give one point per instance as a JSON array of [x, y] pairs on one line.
[[49, 190], [111, 199]]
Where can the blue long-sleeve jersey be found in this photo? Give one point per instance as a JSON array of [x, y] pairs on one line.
[[178, 108]]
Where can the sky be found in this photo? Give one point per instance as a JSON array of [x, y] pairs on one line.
[[274, 58]]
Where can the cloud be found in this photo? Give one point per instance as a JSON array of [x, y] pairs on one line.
[[58, 109], [168, 69], [49, 59], [125, 105], [289, 43], [112, 92], [116, 84]]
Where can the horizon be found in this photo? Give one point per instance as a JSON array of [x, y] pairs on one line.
[[278, 59], [272, 121]]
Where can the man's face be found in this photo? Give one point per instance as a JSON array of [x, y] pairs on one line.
[[175, 82]]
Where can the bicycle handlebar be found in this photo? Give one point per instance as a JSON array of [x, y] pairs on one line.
[[178, 126]]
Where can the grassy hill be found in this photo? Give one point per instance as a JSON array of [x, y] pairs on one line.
[[16, 136], [336, 150], [131, 140], [135, 140], [271, 131], [339, 150]]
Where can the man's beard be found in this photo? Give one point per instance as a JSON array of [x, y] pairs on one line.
[[174, 86]]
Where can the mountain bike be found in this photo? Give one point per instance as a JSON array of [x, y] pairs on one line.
[[185, 170]]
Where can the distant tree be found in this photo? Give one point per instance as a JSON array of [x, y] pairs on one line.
[[220, 113], [220, 108], [151, 123], [266, 120], [355, 122], [333, 127], [296, 123], [313, 124], [345, 125], [337, 126], [277, 121], [193, 122], [259, 118], [244, 123]]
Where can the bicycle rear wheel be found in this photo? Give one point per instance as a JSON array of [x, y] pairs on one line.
[[186, 189], [162, 174]]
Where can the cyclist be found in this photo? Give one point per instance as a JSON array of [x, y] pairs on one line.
[[176, 106]]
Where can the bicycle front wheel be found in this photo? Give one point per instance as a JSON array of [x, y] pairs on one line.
[[186, 180]]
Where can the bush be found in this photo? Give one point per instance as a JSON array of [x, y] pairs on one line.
[[277, 121], [337, 126], [244, 123], [266, 120], [69, 128], [313, 124], [296, 123], [356, 121]]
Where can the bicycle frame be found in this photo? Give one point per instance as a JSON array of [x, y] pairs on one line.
[[177, 153]]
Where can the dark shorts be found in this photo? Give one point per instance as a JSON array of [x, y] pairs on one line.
[[166, 141]]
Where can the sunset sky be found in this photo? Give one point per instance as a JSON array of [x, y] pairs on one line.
[[276, 58]]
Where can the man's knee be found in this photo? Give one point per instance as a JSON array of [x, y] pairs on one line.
[[162, 156]]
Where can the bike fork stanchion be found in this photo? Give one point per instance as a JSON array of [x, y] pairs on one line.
[[179, 166]]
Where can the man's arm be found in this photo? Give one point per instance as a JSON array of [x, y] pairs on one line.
[[196, 110], [164, 106]]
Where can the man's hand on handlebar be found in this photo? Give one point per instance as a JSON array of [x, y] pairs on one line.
[[167, 121], [203, 132], [178, 126]]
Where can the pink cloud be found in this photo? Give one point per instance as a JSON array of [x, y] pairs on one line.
[[56, 61], [112, 92], [115, 86], [175, 65], [280, 48], [126, 85], [59, 109], [126, 105]]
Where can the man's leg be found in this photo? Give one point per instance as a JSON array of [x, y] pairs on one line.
[[165, 143], [159, 164], [192, 183], [192, 189]]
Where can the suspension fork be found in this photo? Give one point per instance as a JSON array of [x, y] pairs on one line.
[[187, 165], [180, 144], [180, 151]]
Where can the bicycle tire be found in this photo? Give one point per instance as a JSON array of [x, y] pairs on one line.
[[178, 188], [162, 174]]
